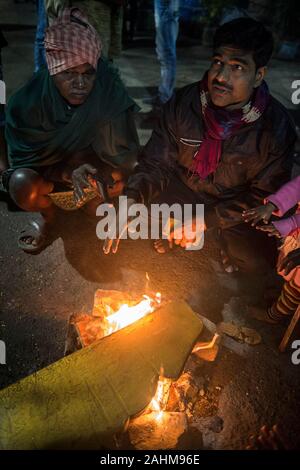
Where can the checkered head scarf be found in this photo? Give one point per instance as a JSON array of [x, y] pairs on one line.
[[71, 41]]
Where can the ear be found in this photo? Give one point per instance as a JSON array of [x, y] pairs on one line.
[[259, 76]]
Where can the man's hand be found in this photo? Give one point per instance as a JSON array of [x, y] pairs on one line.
[[260, 213], [82, 178], [111, 244], [184, 235], [270, 229], [291, 261]]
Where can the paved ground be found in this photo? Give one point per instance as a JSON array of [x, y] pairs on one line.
[[255, 385]]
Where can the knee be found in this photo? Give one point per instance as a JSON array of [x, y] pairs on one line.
[[28, 189], [251, 252], [254, 265]]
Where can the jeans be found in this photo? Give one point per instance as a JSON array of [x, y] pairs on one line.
[[166, 13], [2, 95], [39, 49]]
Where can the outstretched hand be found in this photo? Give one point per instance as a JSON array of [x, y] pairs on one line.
[[270, 229], [258, 214]]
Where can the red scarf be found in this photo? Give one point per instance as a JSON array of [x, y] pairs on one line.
[[220, 125]]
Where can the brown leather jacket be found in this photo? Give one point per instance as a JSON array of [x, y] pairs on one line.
[[255, 162]]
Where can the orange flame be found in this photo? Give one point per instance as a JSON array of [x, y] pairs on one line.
[[160, 399], [126, 315]]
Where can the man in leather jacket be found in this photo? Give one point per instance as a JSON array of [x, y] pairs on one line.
[[224, 142]]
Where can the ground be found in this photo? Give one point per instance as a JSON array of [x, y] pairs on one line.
[[246, 386]]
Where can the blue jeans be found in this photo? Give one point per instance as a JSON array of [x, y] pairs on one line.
[[166, 13], [39, 49], [2, 112]]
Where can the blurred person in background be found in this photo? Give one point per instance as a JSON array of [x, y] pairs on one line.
[[3, 153], [166, 14]]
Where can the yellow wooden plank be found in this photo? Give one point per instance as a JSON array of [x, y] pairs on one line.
[[81, 400]]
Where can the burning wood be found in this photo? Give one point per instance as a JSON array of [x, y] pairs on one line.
[[160, 400], [183, 393], [157, 428], [148, 433]]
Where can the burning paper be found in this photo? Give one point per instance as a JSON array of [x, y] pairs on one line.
[[126, 315], [113, 310]]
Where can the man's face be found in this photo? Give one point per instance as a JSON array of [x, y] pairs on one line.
[[232, 77], [76, 83]]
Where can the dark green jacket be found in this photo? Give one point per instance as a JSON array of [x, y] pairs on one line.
[[41, 129]]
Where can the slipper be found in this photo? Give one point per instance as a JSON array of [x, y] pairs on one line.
[[37, 232], [240, 333]]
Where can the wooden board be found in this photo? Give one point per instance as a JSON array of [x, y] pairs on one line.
[[81, 400]]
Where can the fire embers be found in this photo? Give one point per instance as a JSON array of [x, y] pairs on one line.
[[146, 432], [157, 428], [165, 423]]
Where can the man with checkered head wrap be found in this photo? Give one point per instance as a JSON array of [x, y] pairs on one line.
[[73, 49], [71, 41], [70, 124]]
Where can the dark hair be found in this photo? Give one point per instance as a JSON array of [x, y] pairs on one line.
[[249, 35]]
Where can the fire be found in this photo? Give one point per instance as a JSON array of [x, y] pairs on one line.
[[126, 315], [160, 399]]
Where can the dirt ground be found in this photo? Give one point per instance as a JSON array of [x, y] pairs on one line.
[[247, 386]]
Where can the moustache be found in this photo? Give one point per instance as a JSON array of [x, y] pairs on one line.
[[223, 85]]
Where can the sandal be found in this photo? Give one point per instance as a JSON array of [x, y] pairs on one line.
[[240, 333], [33, 238]]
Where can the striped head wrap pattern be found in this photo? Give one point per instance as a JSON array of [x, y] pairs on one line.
[[71, 41]]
